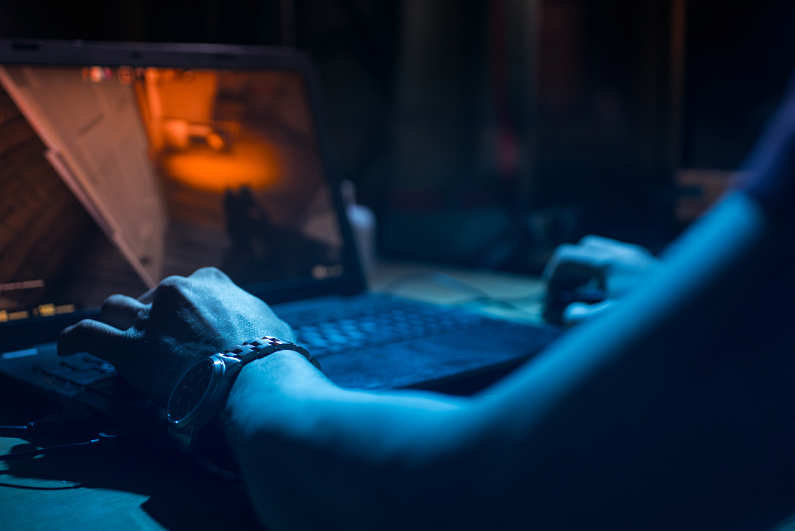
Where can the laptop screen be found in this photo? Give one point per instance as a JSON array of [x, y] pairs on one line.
[[114, 178]]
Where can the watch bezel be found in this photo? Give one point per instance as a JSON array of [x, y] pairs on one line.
[[218, 370]]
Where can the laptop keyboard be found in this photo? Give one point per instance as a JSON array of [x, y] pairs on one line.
[[352, 326], [79, 369], [373, 322]]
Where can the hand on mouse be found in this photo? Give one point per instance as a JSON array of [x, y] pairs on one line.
[[153, 339], [595, 265]]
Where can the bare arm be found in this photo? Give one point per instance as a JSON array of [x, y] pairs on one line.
[[315, 455]]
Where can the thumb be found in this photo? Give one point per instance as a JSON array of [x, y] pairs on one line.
[[579, 312]]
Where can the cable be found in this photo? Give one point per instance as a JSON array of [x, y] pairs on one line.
[[41, 451], [76, 425]]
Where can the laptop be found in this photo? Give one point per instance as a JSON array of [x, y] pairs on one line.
[[125, 163]]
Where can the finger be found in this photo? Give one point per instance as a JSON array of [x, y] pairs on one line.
[[599, 242], [579, 312], [147, 297], [579, 259], [209, 273], [121, 311], [614, 249], [98, 339], [170, 291], [552, 264], [572, 272]]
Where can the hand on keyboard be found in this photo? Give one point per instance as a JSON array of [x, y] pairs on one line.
[[584, 279], [152, 340]]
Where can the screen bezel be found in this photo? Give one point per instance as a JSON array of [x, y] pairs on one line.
[[25, 333]]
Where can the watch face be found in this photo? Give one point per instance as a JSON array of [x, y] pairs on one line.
[[192, 388]]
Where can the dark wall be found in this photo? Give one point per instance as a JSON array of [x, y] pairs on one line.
[[606, 110], [740, 54], [219, 21]]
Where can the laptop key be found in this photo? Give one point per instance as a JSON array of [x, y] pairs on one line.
[[78, 369], [371, 324]]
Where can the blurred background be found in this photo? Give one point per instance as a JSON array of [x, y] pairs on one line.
[[483, 133]]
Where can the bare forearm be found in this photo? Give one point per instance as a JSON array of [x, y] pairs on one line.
[[308, 448]]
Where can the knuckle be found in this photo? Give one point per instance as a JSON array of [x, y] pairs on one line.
[[112, 301], [84, 326], [77, 332], [637, 249], [564, 248], [114, 298], [173, 280], [170, 289], [172, 283], [591, 239], [210, 272]]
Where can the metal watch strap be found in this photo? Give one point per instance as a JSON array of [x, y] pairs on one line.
[[255, 349], [245, 353]]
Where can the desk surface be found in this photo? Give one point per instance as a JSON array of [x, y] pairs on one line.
[[158, 488]]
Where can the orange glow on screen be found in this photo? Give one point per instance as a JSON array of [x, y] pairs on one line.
[[197, 135], [255, 165]]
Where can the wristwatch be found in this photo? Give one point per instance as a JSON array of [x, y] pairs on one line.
[[202, 390]]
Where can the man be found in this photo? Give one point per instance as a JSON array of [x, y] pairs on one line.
[[672, 410]]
